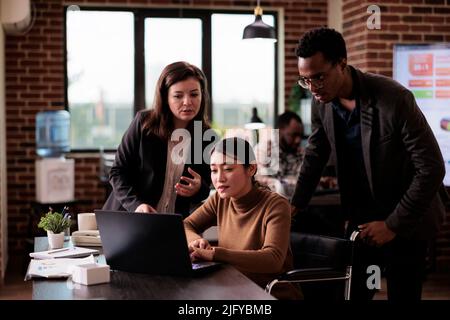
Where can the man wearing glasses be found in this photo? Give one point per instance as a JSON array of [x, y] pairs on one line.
[[388, 163]]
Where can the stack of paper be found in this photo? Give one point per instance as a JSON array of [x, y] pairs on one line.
[[86, 238], [69, 252], [54, 268]]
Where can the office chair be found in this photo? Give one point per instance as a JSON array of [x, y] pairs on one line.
[[319, 259], [106, 162]]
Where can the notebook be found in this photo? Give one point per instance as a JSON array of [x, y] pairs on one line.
[[147, 243], [69, 252]]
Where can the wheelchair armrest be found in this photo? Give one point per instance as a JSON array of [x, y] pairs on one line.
[[316, 274]]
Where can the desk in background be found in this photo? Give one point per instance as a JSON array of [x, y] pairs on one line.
[[324, 215], [226, 283]]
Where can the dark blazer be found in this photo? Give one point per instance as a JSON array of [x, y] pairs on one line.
[[403, 163], [138, 173]]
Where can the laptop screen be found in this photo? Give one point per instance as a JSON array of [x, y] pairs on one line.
[[144, 243]]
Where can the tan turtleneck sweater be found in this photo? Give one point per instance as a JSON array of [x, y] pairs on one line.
[[254, 233]]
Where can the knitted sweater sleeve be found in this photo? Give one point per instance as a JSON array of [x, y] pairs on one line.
[[201, 219]]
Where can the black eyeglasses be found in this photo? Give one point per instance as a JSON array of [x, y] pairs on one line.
[[317, 81]]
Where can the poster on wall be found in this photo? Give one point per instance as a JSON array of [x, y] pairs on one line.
[[425, 70]]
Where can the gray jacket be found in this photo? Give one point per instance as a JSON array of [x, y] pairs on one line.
[[403, 163]]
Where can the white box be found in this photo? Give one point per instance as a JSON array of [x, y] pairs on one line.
[[92, 273], [55, 180]]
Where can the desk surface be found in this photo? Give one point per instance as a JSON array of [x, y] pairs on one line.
[[226, 283], [333, 199]]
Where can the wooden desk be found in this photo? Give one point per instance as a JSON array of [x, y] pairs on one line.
[[226, 283]]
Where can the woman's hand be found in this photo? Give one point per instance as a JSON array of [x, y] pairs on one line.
[[199, 243], [192, 187], [145, 208], [200, 249], [202, 254]]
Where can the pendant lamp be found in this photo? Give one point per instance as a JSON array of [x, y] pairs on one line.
[[255, 121], [259, 29]]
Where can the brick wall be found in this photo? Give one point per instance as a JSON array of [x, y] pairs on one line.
[[402, 21], [3, 211], [35, 82]]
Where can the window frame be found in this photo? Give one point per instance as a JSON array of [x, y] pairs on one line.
[[140, 14]]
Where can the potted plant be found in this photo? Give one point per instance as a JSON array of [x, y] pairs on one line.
[[55, 224]]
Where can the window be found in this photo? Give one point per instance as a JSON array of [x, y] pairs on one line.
[[243, 75], [164, 37], [109, 79], [100, 76]]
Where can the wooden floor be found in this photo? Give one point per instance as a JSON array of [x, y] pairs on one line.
[[436, 286]]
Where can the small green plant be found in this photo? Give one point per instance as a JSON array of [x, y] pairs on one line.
[[297, 93], [55, 222]]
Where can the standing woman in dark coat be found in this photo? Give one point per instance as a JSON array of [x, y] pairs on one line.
[[155, 170]]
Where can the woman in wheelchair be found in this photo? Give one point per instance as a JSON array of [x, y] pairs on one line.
[[253, 223]]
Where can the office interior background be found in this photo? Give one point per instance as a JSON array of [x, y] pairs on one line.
[[34, 66]]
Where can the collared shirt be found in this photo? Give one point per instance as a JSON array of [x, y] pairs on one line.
[[287, 163], [354, 182], [173, 174], [290, 163]]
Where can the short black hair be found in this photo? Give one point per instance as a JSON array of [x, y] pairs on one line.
[[325, 40], [285, 118]]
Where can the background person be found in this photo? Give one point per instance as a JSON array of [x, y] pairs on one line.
[[291, 152]]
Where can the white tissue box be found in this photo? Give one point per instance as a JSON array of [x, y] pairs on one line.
[[92, 273]]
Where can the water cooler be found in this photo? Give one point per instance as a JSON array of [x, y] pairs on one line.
[[55, 175]]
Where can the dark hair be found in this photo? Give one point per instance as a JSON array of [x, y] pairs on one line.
[[240, 150], [160, 121], [285, 118], [325, 40], [237, 148]]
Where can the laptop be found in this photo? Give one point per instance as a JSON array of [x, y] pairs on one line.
[[147, 243]]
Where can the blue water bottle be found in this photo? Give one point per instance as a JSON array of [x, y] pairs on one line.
[[52, 133]]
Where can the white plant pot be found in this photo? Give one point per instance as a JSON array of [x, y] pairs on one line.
[[55, 240]]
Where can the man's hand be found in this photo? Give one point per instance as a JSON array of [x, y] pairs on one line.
[[376, 232], [145, 208]]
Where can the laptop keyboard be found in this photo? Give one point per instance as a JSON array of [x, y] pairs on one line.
[[203, 264]]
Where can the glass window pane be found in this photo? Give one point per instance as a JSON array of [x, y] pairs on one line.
[[243, 74], [169, 40], [100, 70]]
